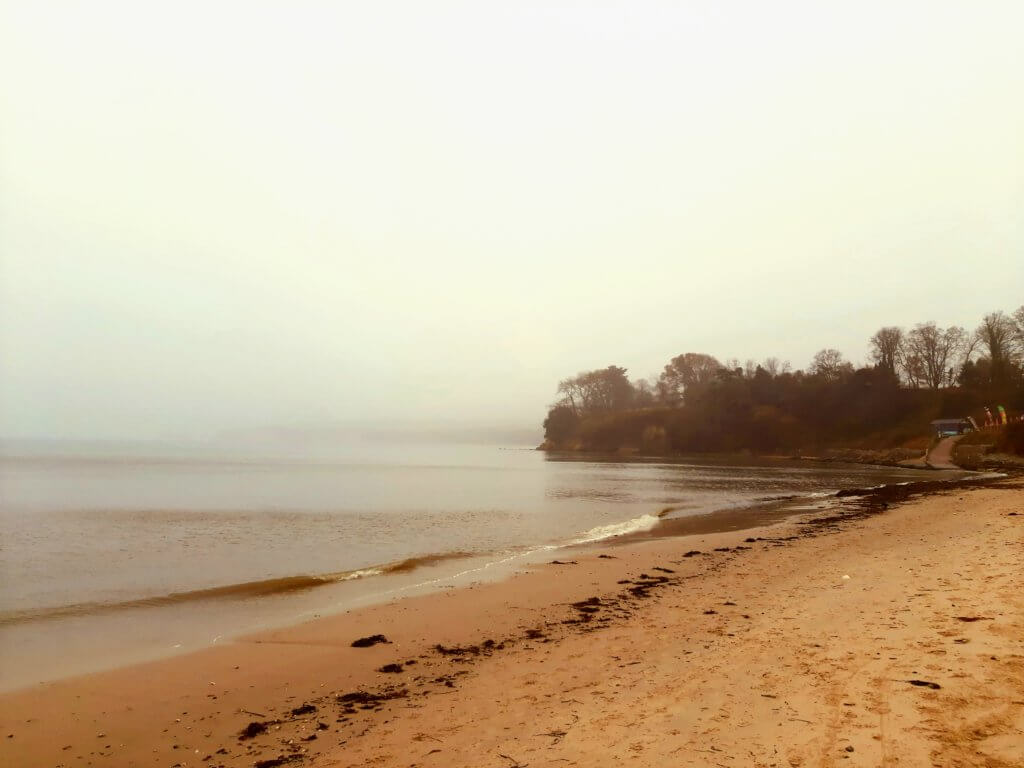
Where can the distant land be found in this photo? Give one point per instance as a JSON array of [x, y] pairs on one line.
[[701, 404]]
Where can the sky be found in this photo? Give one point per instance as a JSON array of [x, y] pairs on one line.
[[221, 215]]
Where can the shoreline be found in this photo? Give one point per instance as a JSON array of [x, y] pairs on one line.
[[169, 628], [890, 458], [441, 642]]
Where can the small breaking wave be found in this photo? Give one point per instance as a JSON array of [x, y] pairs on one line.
[[242, 590], [601, 532], [412, 563]]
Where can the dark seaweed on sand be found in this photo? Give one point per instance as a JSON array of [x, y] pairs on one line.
[[366, 642]]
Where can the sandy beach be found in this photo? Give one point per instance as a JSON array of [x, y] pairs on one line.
[[893, 636]]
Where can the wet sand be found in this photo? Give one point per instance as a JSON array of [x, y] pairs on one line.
[[736, 648]]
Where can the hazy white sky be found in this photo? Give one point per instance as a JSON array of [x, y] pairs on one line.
[[220, 214]]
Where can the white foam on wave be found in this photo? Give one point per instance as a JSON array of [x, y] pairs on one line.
[[361, 574], [642, 523]]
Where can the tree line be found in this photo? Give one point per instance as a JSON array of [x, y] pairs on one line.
[[699, 403]]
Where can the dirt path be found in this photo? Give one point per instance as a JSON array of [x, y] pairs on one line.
[[941, 456]]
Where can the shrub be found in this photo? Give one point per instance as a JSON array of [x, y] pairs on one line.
[[1011, 439]]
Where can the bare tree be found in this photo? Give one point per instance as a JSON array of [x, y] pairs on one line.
[[776, 367], [645, 393], [605, 389], [997, 335], [971, 343], [829, 364], [936, 352], [913, 368], [886, 348], [1018, 321], [572, 394], [684, 371]]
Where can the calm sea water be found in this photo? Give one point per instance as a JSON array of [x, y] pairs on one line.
[[190, 544]]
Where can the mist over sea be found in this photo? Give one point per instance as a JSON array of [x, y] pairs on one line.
[[133, 551]]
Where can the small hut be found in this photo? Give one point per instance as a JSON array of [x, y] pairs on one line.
[[948, 427]]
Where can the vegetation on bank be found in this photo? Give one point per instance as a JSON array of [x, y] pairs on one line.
[[1000, 447], [699, 404], [1010, 439], [1007, 439]]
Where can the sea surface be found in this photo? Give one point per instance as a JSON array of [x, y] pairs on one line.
[[112, 554]]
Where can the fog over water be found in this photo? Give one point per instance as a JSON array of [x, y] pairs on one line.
[[247, 215]]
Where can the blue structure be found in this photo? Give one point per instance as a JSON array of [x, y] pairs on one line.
[[948, 427]]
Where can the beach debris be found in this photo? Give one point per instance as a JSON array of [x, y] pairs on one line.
[[564, 562], [367, 698], [642, 587], [973, 618], [846, 577], [710, 612], [366, 642], [515, 763], [534, 634], [692, 553], [252, 730], [391, 668], [612, 557], [556, 735], [305, 709], [276, 761], [458, 650], [925, 684], [425, 736], [663, 570]]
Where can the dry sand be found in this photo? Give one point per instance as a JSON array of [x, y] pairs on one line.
[[762, 655]]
